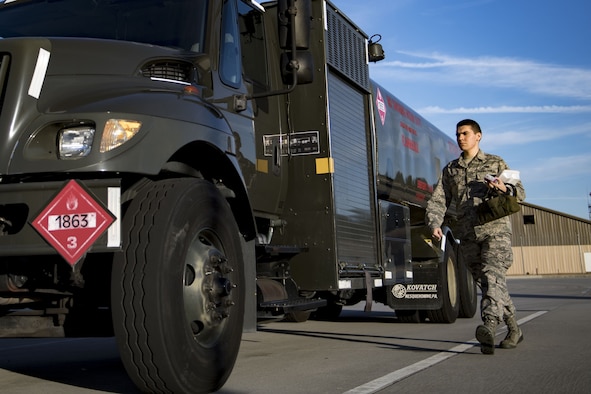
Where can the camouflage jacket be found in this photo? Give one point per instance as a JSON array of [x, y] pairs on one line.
[[463, 185]]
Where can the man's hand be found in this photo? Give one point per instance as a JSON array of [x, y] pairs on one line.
[[437, 234], [497, 184]]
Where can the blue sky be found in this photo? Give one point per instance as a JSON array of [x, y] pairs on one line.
[[520, 68]]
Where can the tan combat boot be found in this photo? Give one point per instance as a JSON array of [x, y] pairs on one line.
[[514, 334], [485, 334]]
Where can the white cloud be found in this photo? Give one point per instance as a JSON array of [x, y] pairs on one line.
[[508, 109], [491, 71], [530, 136], [558, 168]]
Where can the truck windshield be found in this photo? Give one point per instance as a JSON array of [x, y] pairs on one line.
[[171, 23]]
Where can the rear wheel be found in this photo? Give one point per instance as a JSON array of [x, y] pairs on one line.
[[177, 288], [448, 272], [329, 312], [408, 315], [297, 316], [468, 291]]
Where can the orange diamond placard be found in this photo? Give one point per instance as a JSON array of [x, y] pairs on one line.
[[72, 221]]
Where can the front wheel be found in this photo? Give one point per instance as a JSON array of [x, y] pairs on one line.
[[177, 288]]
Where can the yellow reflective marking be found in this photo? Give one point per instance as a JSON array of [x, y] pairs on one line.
[[325, 165], [263, 166]]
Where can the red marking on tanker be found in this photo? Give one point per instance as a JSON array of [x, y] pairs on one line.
[[422, 185], [407, 113], [408, 128], [72, 222], [381, 106], [410, 144]]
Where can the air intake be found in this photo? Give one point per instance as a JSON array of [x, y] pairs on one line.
[[169, 71], [346, 48]]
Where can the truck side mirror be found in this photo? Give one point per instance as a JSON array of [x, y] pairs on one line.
[[304, 65], [302, 23]]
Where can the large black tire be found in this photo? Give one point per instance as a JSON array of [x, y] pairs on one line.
[[297, 316], [468, 291], [448, 272], [408, 315], [177, 288], [330, 312]]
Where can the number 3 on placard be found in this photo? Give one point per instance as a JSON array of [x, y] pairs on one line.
[[72, 242]]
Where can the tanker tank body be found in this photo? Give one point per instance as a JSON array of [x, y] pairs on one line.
[[410, 153]]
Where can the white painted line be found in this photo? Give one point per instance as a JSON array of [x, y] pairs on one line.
[[530, 317], [396, 376]]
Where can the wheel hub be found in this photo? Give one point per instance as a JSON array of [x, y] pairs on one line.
[[207, 289]]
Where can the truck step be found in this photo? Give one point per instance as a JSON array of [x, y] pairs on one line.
[[295, 304], [267, 253]]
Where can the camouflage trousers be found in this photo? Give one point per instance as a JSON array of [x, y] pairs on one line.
[[488, 259]]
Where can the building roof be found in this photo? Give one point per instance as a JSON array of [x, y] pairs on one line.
[[566, 215]]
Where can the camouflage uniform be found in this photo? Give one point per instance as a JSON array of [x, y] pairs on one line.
[[486, 249]]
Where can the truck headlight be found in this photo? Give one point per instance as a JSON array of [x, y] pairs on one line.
[[75, 142], [117, 132]]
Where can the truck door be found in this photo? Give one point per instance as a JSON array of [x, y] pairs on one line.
[[268, 186]]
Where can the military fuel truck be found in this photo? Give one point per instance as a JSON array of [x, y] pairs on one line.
[[173, 171]]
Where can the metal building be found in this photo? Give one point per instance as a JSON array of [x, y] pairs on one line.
[[549, 242]]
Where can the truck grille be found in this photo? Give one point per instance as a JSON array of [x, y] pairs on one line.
[[4, 63], [346, 48], [169, 71]]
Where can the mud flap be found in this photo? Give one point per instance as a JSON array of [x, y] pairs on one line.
[[422, 293], [369, 294]]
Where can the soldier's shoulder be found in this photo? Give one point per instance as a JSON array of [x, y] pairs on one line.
[[493, 157], [452, 164]]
